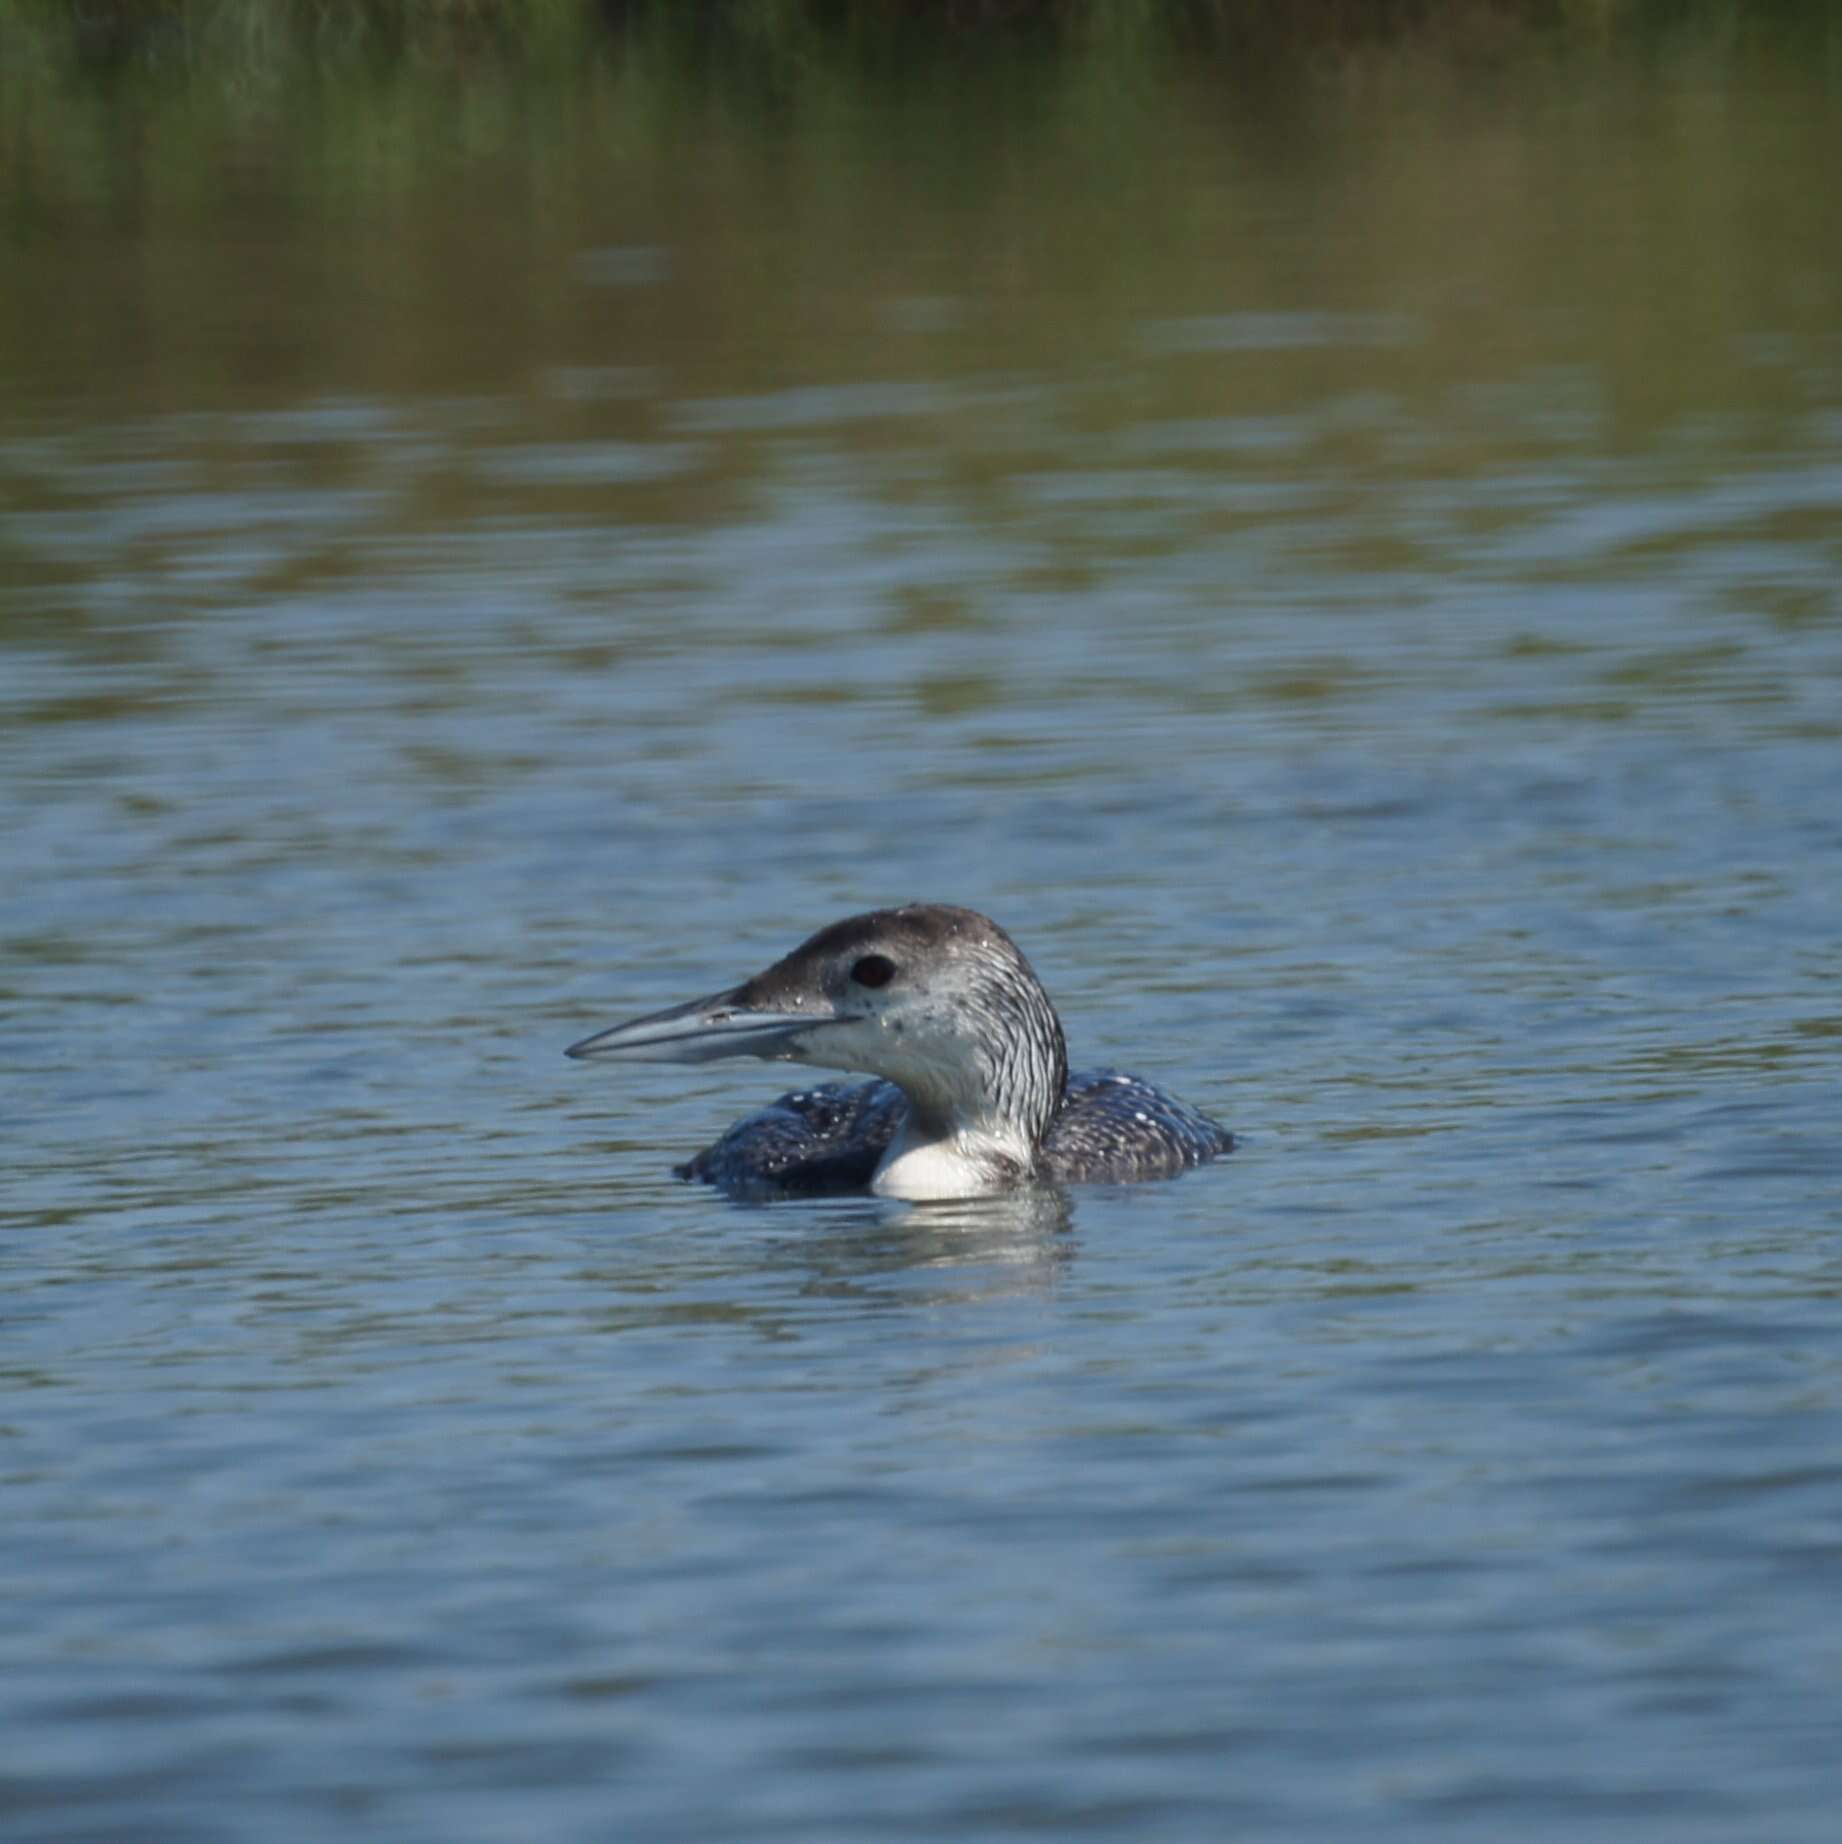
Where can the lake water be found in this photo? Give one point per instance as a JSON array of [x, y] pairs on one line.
[[1350, 575]]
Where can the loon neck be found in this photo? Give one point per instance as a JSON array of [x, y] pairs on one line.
[[973, 1126], [976, 1116]]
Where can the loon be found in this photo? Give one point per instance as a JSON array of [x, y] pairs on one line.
[[974, 1094]]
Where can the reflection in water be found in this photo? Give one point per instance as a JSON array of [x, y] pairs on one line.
[[1023, 1229], [898, 1256]]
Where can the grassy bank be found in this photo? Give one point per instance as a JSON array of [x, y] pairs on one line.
[[115, 110], [101, 36]]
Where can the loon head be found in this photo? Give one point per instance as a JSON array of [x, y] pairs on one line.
[[937, 999]]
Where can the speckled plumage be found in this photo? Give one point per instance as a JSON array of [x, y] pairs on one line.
[[826, 1140]]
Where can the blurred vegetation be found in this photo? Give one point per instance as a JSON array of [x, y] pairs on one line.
[[95, 90], [131, 112], [240, 39]]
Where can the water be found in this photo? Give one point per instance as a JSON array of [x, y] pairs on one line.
[[1353, 588]]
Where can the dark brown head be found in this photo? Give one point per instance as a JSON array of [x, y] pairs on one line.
[[936, 998]]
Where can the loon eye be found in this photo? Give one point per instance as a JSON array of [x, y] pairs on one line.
[[873, 970]]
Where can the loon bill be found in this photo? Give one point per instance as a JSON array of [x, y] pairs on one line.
[[974, 1094]]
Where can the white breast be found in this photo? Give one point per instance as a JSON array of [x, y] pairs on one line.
[[959, 1165]]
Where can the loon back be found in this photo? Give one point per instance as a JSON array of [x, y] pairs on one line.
[[975, 1096], [828, 1141]]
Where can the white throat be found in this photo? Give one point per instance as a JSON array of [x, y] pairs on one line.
[[960, 1160]]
